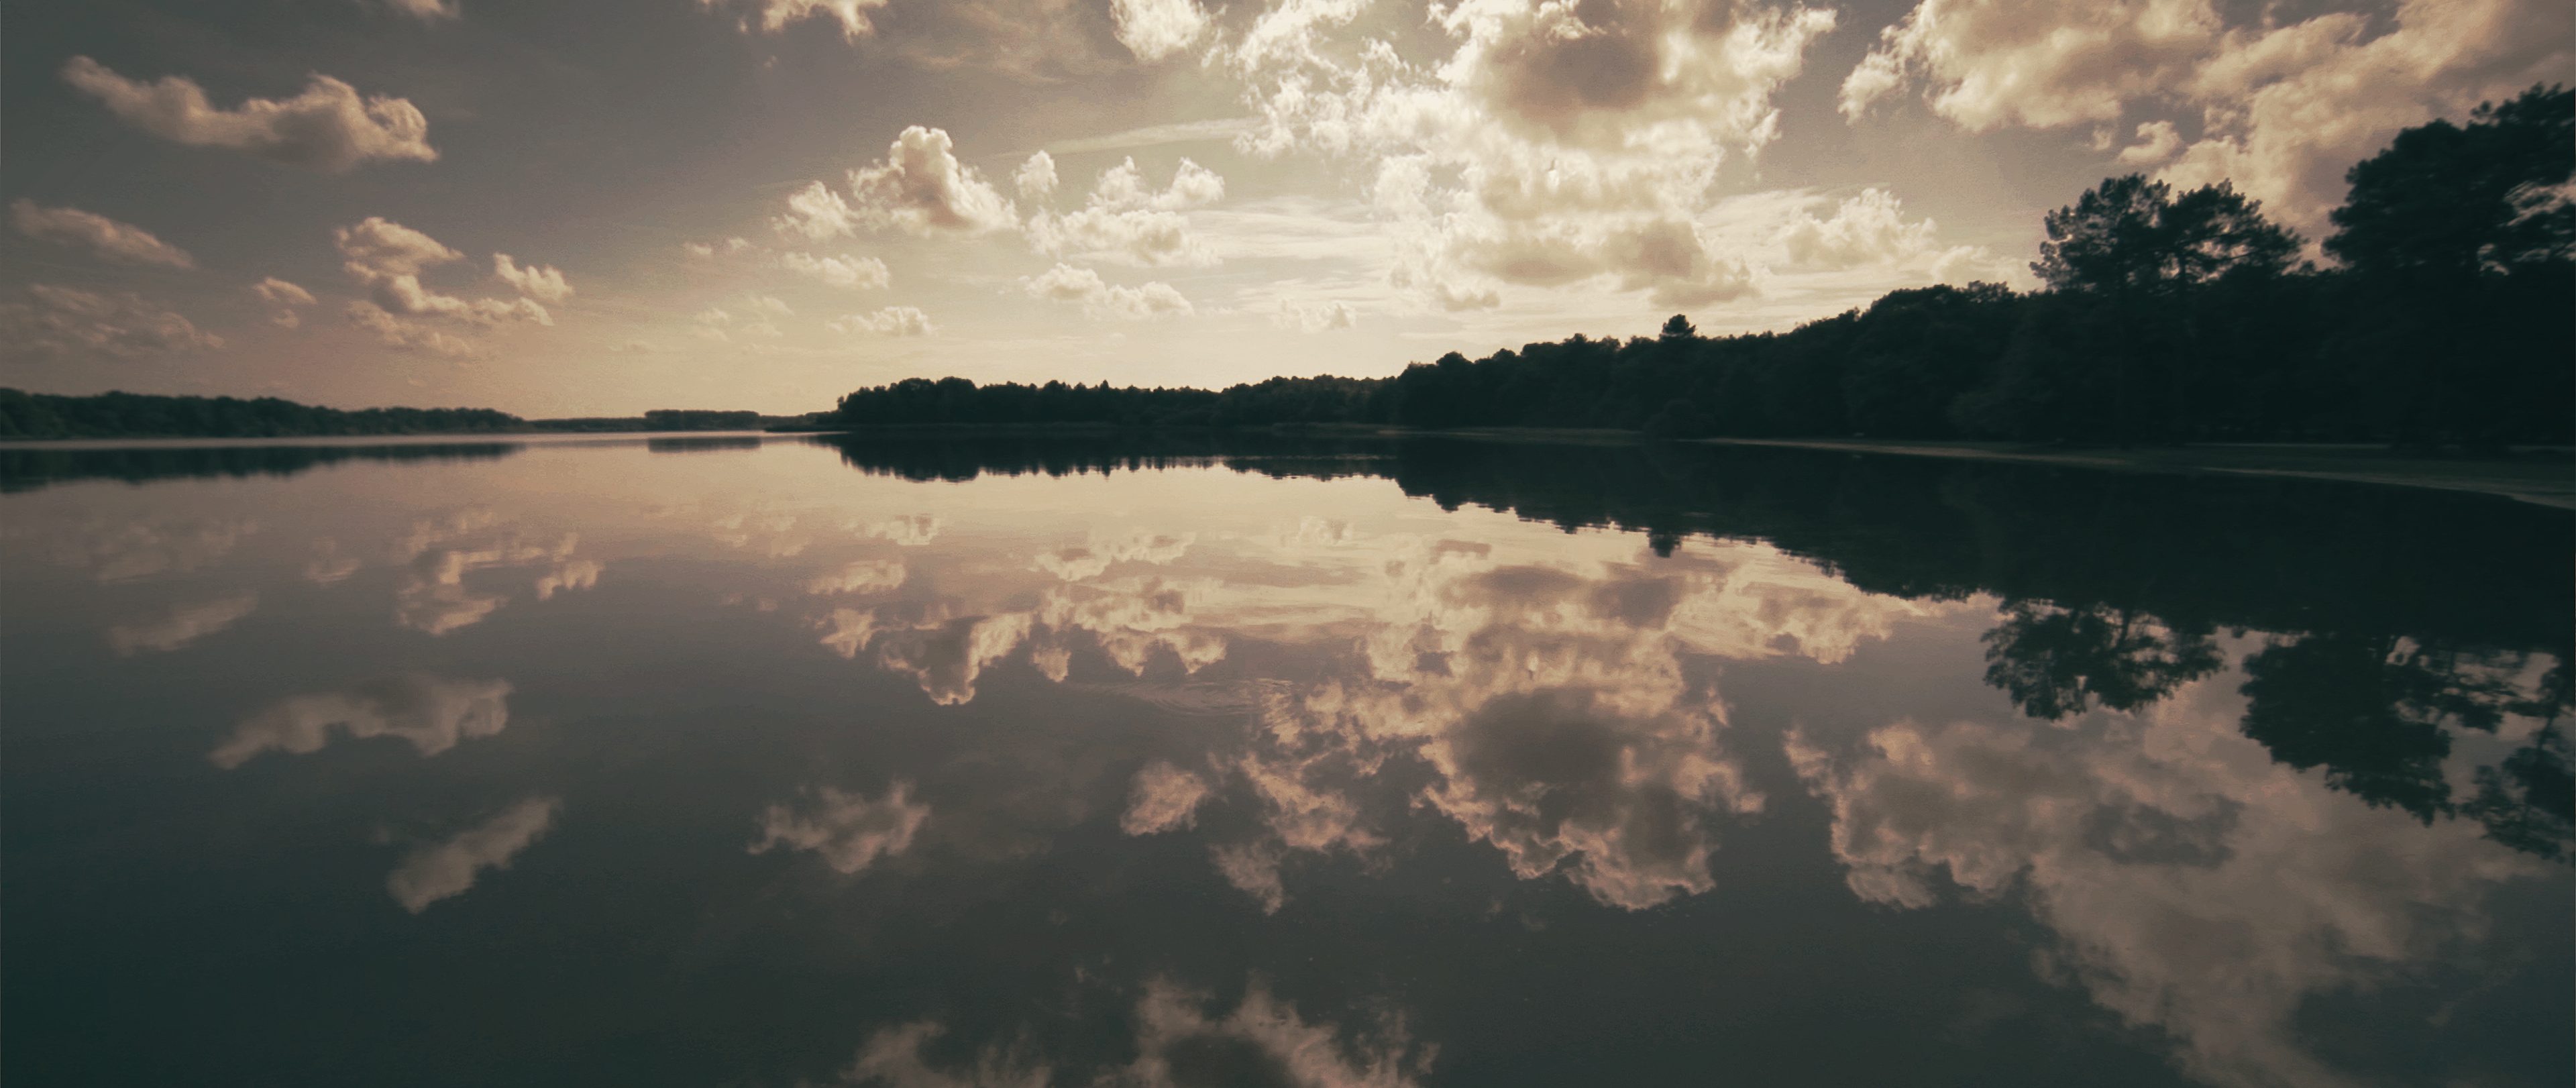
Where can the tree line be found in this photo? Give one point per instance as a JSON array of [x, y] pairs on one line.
[[2164, 316], [141, 415]]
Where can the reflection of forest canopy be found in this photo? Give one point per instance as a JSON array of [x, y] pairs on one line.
[[26, 469], [2166, 317]]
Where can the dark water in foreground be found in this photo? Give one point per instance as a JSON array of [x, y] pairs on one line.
[[723, 762]]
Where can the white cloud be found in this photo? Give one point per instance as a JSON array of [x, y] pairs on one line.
[[327, 127], [2284, 106], [1124, 220], [921, 188], [850, 273], [1155, 29], [449, 869], [103, 236], [1102, 300], [1036, 178], [545, 284], [850, 831], [394, 332], [389, 258], [65, 321], [814, 212], [728, 247], [181, 625], [772, 16], [286, 297], [431, 712], [1557, 144], [1313, 316], [890, 321]]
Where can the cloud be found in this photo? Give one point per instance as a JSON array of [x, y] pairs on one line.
[[1263, 1040], [181, 625], [863, 576], [1164, 798], [773, 16], [427, 11], [142, 549], [389, 258], [327, 127], [395, 332], [1124, 220], [907, 531], [431, 595], [545, 284], [1036, 178], [850, 831], [1104, 301], [1558, 144], [814, 212], [286, 297], [890, 321], [103, 236], [1155, 29], [431, 712], [728, 247], [65, 321], [921, 188], [450, 868], [851, 273], [1073, 564], [2284, 105], [892, 1058], [1313, 316]]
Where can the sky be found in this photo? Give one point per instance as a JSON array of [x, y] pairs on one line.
[[597, 208]]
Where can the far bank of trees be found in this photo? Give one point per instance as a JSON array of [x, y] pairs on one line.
[[2165, 316]]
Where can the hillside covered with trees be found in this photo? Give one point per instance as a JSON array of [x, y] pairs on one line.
[[2449, 316]]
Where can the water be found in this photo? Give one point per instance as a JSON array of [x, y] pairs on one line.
[[719, 761]]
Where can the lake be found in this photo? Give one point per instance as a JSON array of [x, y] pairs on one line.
[[723, 760]]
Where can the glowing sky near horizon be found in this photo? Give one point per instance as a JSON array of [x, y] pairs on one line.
[[593, 208]]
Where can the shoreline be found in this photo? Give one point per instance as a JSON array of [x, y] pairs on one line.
[[2540, 478]]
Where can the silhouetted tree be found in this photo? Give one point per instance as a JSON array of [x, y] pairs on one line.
[[2130, 235], [2055, 662]]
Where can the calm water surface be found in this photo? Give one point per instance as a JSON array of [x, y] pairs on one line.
[[721, 761]]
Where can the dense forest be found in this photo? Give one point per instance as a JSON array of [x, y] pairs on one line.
[[2449, 317]]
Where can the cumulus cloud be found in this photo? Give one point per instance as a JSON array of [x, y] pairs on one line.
[[1036, 178], [1164, 798], [286, 297], [143, 549], [814, 212], [1558, 144], [890, 321], [65, 322], [1102, 300], [773, 16], [1322, 316], [848, 830], [2284, 105], [181, 624], [1089, 560], [1154, 29], [907, 531], [1123, 219], [101, 235], [432, 595], [394, 332], [327, 127], [921, 188], [389, 258], [433, 713], [449, 869], [545, 284], [851, 273]]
